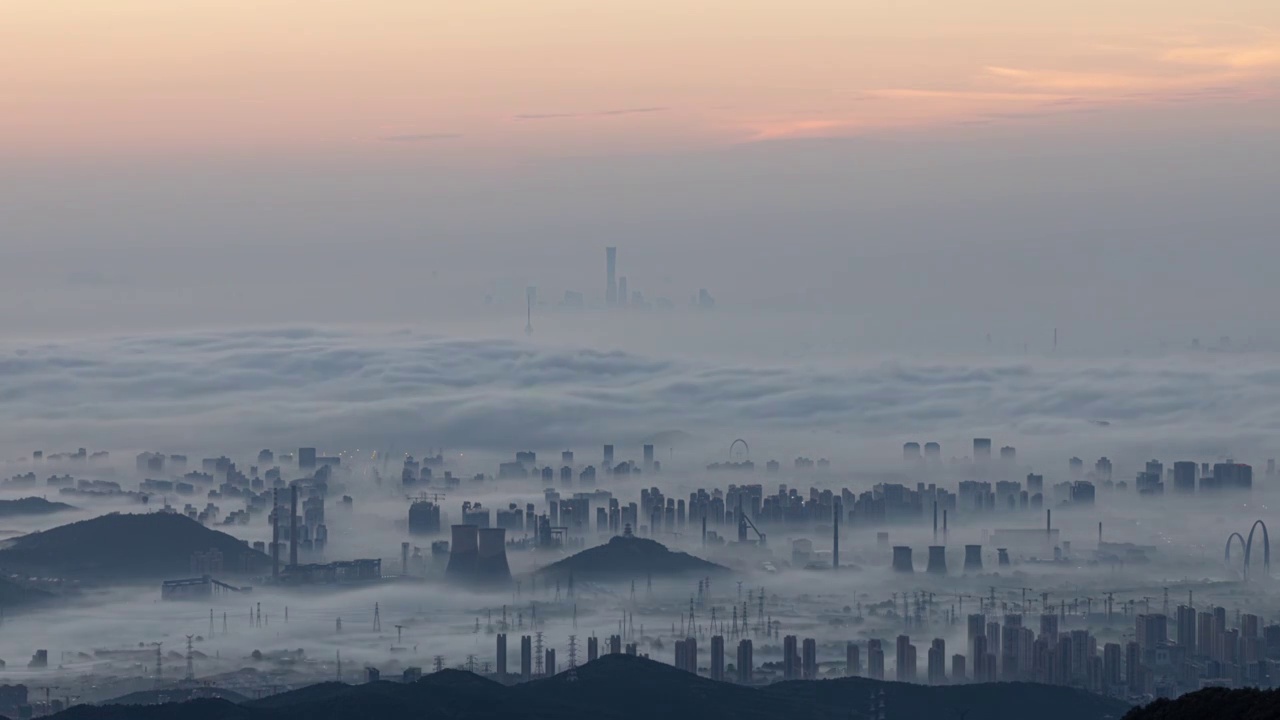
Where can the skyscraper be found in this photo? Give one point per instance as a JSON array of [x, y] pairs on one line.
[[1184, 476], [1133, 667], [611, 276], [717, 657], [1186, 624], [809, 661], [906, 659], [981, 449], [875, 660], [745, 662], [1111, 674], [790, 658], [852, 660], [938, 662]]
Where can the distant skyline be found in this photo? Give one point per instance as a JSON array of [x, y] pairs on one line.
[[905, 176], [491, 82]]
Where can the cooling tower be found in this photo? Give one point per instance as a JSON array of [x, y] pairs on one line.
[[902, 559], [491, 564], [464, 553], [1003, 556], [937, 559], [973, 558]]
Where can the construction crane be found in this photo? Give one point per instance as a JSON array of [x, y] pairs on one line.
[[744, 520]]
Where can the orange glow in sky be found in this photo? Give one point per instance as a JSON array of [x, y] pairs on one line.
[[510, 77]]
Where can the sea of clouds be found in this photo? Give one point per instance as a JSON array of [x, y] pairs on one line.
[[240, 390]]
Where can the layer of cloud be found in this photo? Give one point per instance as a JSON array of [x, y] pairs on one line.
[[596, 113], [421, 137], [284, 388]]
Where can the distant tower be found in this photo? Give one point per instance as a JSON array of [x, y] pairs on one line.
[[530, 293], [981, 449], [611, 276]]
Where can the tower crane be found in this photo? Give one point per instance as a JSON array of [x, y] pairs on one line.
[[744, 520]]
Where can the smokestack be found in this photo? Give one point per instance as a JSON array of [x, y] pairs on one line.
[[491, 556], [1048, 522], [944, 526], [293, 528], [1099, 534], [935, 521], [1003, 554], [937, 560], [973, 558], [704, 529], [902, 559], [275, 534], [404, 559]]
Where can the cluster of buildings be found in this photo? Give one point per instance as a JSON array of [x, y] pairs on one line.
[[618, 293], [1200, 649]]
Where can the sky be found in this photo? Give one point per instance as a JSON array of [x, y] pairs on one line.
[[492, 82], [855, 183]]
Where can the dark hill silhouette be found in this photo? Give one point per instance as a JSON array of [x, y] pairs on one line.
[[174, 695], [30, 506], [630, 557], [621, 687], [126, 547], [14, 594], [1215, 703]]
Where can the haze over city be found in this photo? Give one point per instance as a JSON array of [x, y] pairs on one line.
[[720, 349]]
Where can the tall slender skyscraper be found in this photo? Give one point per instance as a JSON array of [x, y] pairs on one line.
[[611, 276]]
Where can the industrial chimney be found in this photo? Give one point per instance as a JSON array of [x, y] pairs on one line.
[[937, 560]]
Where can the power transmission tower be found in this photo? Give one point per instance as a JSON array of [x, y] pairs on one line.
[[191, 668], [537, 654], [159, 663], [399, 629], [377, 618], [438, 663], [573, 651]]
